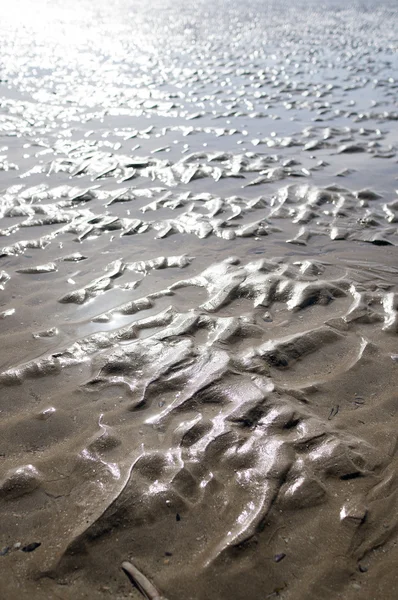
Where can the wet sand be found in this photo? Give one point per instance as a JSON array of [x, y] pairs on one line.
[[199, 305]]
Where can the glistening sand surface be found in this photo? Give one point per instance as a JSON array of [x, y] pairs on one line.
[[199, 309]]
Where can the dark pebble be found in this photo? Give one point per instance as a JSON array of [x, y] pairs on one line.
[[178, 517], [279, 557], [31, 547]]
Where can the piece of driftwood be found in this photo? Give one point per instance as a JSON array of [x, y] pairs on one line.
[[146, 588]]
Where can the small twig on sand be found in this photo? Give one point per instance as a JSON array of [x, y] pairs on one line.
[[141, 582]]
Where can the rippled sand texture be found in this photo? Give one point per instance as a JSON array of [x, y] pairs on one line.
[[199, 299]]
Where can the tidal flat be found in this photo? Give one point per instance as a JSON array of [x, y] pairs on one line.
[[199, 299]]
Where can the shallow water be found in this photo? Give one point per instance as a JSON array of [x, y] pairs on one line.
[[199, 308]]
